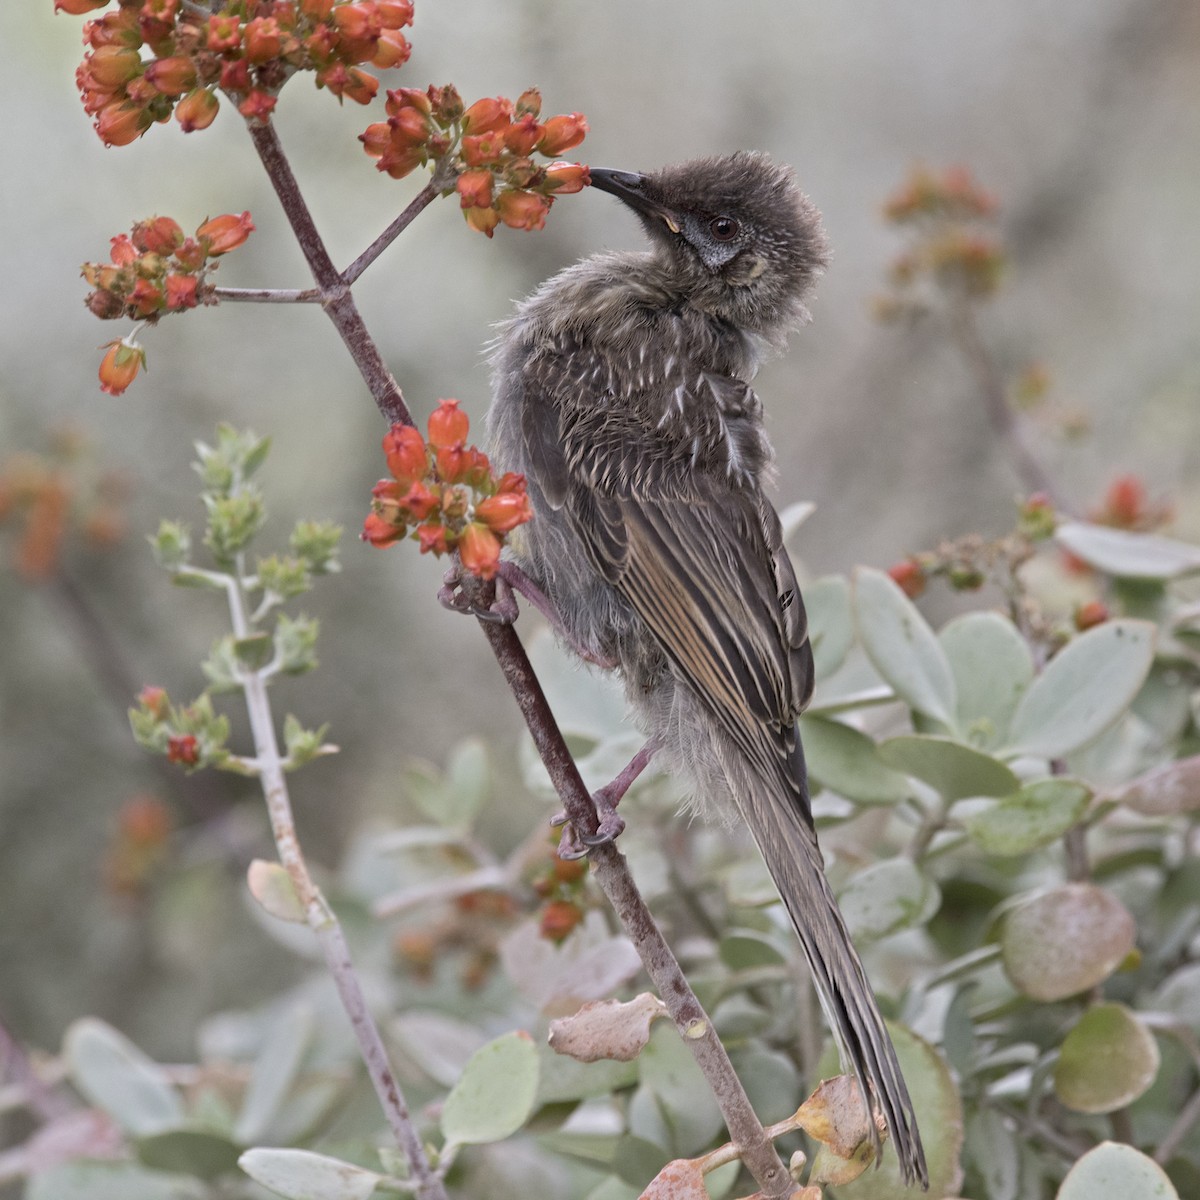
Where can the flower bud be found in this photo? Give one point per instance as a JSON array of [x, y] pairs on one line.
[[563, 178], [559, 917], [197, 110], [407, 458], [1091, 614], [124, 252], [529, 103], [119, 123], [502, 513], [120, 366], [431, 537], [482, 149], [447, 105], [111, 67], [909, 577], [181, 292], [184, 749], [380, 532], [393, 50], [257, 106], [419, 502], [475, 188], [482, 220], [154, 701], [448, 426], [487, 116], [224, 33], [479, 549], [562, 133], [521, 136], [523, 210], [319, 10], [77, 8], [262, 39], [159, 235], [395, 14], [172, 76], [224, 233]]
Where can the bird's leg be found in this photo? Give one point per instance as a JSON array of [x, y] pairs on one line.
[[502, 610], [610, 824], [518, 581]]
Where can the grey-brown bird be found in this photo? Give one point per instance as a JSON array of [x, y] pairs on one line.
[[623, 394]]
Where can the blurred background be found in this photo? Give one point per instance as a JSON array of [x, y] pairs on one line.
[[1082, 119]]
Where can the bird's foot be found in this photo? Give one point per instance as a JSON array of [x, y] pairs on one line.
[[518, 581], [502, 610], [609, 823]]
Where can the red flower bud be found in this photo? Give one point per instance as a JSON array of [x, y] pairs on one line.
[[479, 151], [224, 33], [1091, 614], [909, 576], [190, 256], [224, 233], [395, 14], [523, 210], [197, 110], [146, 298], [159, 235], [410, 127], [503, 512], [154, 701], [1124, 502], [380, 532], [120, 366], [521, 137], [119, 124], [479, 549], [376, 139], [419, 502], [181, 292], [257, 106], [448, 426], [402, 98], [263, 40], [562, 133], [183, 748], [235, 75], [446, 104], [77, 8], [487, 116], [407, 458], [563, 178], [393, 50], [475, 188], [359, 86], [111, 67], [432, 538], [319, 10], [172, 76], [124, 251], [559, 917]]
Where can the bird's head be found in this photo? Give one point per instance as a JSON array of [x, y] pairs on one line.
[[735, 234]]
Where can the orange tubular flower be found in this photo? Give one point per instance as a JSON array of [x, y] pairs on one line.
[[197, 110], [448, 426], [562, 133], [479, 549], [406, 455], [502, 513], [487, 116], [225, 233], [523, 210], [120, 366], [475, 188], [563, 178]]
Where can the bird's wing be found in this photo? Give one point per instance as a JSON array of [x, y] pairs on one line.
[[698, 554]]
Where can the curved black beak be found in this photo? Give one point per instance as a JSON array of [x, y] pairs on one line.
[[631, 188]]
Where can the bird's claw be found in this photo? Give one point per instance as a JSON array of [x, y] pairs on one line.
[[502, 611], [609, 826]]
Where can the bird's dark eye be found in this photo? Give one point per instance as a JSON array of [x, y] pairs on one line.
[[724, 229]]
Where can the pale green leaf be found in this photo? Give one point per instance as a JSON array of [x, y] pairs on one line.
[[495, 1094], [272, 887], [303, 1175], [1116, 1171], [196, 1152], [953, 770], [902, 647], [1035, 816], [275, 1070], [1107, 1060], [1084, 689], [887, 897], [1127, 554], [847, 762], [119, 1078], [112, 1181], [992, 668], [830, 623]]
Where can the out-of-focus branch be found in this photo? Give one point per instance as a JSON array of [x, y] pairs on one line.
[[267, 295]]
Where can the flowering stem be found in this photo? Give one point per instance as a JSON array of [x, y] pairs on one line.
[[419, 203], [268, 295], [320, 917], [612, 874], [336, 297]]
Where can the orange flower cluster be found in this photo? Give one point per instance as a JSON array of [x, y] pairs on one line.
[[951, 194], [948, 249], [155, 269], [444, 492], [49, 499], [491, 143], [247, 49], [139, 845]]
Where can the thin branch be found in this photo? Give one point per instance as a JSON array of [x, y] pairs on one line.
[[612, 874], [1179, 1130], [336, 297], [324, 923], [1028, 466], [419, 203], [268, 295]]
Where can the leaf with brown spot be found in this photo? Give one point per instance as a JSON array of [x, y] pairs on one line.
[[607, 1029]]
